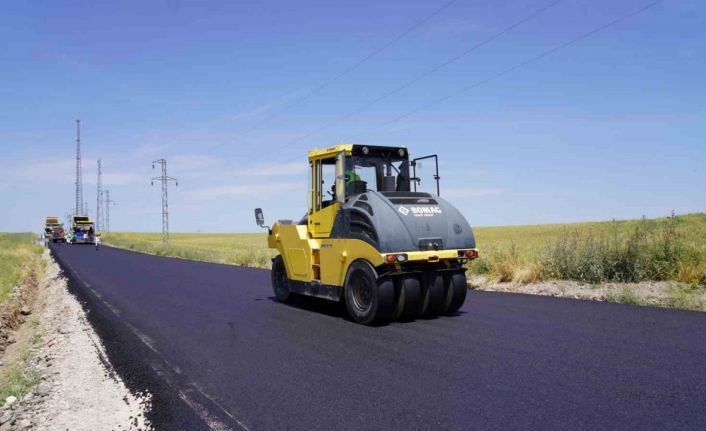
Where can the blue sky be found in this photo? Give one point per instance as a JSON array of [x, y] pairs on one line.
[[610, 127]]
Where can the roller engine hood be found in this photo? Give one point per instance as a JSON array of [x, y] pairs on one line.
[[403, 221]]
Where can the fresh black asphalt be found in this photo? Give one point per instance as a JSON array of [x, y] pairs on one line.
[[214, 348]]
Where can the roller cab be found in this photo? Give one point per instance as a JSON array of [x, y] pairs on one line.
[[371, 240]]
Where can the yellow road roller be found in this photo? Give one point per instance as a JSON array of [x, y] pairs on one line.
[[370, 239]]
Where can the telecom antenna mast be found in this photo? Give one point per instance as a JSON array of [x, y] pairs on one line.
[[165, 205], [108, 201], [79, 180], [99, 199]]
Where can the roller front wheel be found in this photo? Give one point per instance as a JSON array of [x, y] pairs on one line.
[[367, 298], [280, 283]]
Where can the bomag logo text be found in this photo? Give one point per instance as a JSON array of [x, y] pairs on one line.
[[425, 211]]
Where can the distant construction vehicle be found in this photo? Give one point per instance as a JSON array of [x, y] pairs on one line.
[[82, 230], [54, 229], [387, 251]]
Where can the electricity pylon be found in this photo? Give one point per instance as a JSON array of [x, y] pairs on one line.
[[164, 178], [99, 200], [108, 201], [79, 180]]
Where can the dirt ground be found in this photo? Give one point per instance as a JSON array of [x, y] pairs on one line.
[[77, 389], [652, 293]]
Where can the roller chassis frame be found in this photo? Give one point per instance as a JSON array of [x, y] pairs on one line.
[[335, 293], [83, 241], [421, 270]]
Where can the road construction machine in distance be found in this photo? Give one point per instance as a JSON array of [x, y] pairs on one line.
[[54, 229], [82, 230], [371, 240]]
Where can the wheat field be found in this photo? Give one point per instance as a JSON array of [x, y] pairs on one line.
[[668, 248], [19, 256]]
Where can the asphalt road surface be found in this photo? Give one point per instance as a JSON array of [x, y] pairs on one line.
[[215, 350]]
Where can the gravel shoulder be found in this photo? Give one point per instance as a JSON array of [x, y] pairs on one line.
[[75, 387], [667, 294]]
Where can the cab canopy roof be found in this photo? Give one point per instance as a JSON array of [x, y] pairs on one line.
[[52, 220], [82, 220], [357, 150]]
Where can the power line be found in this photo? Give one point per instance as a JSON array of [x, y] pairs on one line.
[[510, 69], [418, 77], [348, 70], [517, 66]]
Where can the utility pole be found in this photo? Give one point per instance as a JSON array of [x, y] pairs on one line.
[[108, 201], [79, 180], [165, 205], [99, 199]]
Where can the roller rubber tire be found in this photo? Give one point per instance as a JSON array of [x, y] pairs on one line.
[[432, 295], [409, 292], [368, 299], [279, 280], [456, 289]]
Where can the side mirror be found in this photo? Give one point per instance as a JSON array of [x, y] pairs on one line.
[[259, 217]]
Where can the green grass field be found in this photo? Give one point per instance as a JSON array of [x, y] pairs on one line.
[[19, 255], [20, 262], [669, 248], [237, 249]]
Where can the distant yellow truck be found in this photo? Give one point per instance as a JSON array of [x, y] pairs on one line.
[[54, 229], [82, 230]]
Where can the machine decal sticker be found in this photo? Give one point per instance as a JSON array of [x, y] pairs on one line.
[[425, 211], [420, 211]]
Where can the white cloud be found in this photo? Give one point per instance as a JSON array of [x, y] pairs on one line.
[[123, 179], [63, 172], [465, 192], [273, 169], [140, 211], [192, 162], [150, 150], [254, 112], [208, 193], [455, 173], [266, 107], [44, 171], [201, 167], [186, 207]]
